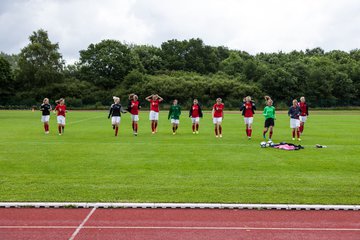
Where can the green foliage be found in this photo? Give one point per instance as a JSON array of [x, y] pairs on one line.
[[149, 57], [191, 56], [12, 59], [6, 80], [179, 69], [105, 64], [187, 86], [40, 63]]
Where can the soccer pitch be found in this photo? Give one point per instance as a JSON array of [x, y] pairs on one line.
[[89, 164]]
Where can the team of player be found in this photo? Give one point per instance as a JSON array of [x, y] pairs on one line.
[[298, 113]]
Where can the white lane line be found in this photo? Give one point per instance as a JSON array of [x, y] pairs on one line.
[[178, 228], [82, 224], [84, 120]]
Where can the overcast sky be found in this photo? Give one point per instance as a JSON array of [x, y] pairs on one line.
[[250, 25]]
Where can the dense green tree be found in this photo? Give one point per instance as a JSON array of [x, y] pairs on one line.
[[321, 81], [40, 62], [192, 56], [149, 57], [280, 85], [105, 64], [173, 53], [355, 54], [6, 81], [233, 65], [315, 52], [12, 59], [178, 69]]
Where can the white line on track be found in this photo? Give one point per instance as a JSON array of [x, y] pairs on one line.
[[82, 224], [180, 228]]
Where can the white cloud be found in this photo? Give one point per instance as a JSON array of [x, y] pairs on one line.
[[249, 25]]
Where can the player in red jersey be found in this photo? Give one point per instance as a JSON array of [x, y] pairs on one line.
[[61, 110], [154, 100], [304, 113], [218, 115], [133, 108], [195, 113], [248, 110]]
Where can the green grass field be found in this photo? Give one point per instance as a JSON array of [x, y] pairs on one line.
[[89, 164]]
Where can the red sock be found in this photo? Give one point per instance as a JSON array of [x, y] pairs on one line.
[[220, 129], [264, 132], [216, 131], [247, 132], [133, 126], [155, 126], [293, 133], [270, 135], [250, 131], [152, 127], [136, 127], [298, 133], [197, 127], [302, 128], [59, 127], [193, 127], [116, 130]]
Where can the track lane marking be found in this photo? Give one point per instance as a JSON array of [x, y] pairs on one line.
[[77, 230]]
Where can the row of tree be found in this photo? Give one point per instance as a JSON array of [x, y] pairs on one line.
[[177, 69]]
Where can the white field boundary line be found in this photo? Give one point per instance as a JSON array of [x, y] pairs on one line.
[[84, 120], [185, 228], [178, 206], [77, 230]]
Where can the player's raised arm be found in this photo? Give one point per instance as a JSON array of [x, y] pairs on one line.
[[160, 98], [148, 98]]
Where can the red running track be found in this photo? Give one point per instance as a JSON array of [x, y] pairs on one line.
[[150, 224]]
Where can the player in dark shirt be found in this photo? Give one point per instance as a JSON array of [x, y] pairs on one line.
[[115, 113], [294, 114], [45, 108]]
